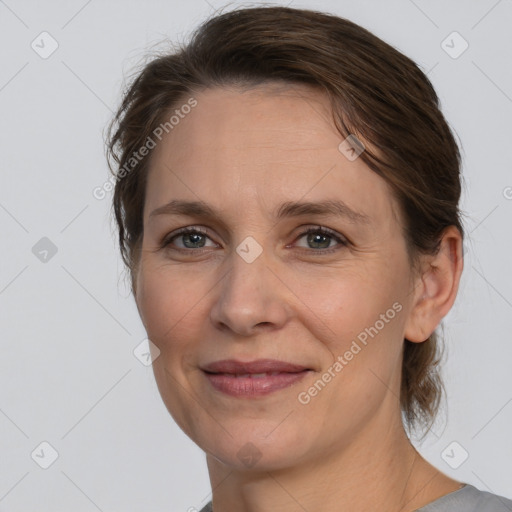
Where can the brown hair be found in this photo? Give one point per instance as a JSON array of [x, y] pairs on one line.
[[375, 92]]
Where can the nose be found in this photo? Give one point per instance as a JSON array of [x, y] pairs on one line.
[[250, 297]]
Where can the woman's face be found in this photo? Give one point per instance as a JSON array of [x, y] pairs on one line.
[[253, 285]]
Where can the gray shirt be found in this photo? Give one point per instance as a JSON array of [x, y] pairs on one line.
[[466, 499]]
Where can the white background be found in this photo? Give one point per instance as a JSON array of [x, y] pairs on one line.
[[69, 326]]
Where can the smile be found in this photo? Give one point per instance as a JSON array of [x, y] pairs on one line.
[[253, 379]]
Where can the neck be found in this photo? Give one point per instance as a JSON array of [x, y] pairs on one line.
[[378, 470]]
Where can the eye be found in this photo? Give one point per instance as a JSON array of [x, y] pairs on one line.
[[191, 238], [320, 238]]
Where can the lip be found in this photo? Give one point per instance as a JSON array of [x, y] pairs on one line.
[[244, 380], [257, 366]]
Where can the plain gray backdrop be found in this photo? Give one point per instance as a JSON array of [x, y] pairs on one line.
[[82, 426]]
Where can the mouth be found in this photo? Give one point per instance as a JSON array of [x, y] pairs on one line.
[[253, 378]]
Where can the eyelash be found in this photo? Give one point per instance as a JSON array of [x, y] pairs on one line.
[[166, 242]]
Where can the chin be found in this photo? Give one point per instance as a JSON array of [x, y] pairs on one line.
[[249, 448]]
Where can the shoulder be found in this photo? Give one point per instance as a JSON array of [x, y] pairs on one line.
[[469, 499]]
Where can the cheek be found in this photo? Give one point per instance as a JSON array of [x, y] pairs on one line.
[[342, 304], [363, 362], [169, 303], [359, 318], [172, 308], [172, 312]]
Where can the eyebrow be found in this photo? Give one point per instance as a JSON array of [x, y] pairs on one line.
[[335, 208]]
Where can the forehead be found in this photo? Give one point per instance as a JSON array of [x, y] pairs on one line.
[[271, 116], [266, 144]]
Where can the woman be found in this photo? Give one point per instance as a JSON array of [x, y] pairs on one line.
[[287, 198]]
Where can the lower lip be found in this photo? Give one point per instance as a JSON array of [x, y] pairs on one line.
[[253, 386]]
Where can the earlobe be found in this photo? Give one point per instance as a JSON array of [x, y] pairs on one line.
[[436, 288]]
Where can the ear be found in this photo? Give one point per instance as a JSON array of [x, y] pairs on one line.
[[436, 287]]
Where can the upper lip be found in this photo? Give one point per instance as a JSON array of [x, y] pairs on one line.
[[235, 367]]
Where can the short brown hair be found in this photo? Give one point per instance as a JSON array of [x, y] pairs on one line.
[[375, 92]]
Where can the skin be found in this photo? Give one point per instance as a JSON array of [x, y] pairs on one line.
[[244, 152]]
